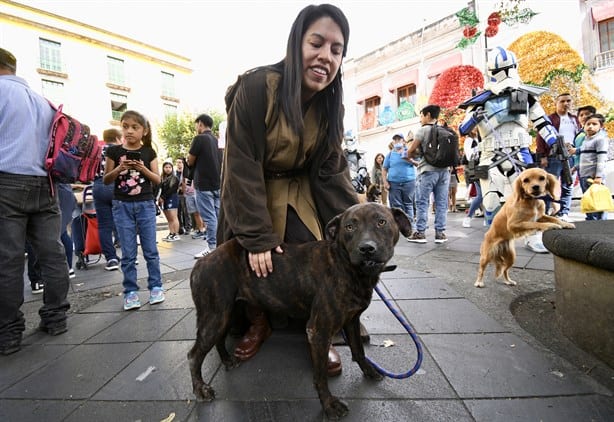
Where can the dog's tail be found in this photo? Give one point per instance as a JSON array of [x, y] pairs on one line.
[[501, 253]]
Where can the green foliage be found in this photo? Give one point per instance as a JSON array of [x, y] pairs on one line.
[[177, 131], [467, 17]]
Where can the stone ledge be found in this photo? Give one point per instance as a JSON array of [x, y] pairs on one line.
[[591, 243], [584, 283]]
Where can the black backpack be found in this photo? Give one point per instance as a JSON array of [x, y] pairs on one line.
[[441, 147]]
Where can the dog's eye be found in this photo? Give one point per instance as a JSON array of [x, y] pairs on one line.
[[381, 222], [525, 180], [542, 178], [349, 227]]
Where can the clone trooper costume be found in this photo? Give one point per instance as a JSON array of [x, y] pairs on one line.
[[356, 163], [501, 114]]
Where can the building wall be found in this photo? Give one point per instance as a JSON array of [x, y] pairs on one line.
[[84, 55]]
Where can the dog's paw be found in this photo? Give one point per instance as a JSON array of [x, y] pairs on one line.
[[510, 282], [568, 225], [336, 409], [204, 393], [479, 283], [231, 363]]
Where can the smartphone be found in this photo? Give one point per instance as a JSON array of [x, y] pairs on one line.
[[133, 155]]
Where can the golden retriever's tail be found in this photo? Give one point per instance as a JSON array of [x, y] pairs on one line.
[[502, 255]]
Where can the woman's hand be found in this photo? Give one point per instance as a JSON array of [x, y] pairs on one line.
[[261, 262]]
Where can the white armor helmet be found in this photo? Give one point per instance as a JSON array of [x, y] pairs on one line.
[[502, 65], [350, 142]]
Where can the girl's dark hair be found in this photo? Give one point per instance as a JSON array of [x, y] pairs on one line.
[[375, 163], [289, 94], [164, 175], [146, 140]]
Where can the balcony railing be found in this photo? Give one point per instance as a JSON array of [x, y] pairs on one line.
[[604, 60]]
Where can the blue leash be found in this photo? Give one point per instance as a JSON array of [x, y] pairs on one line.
[[409, 329], [411, 332]]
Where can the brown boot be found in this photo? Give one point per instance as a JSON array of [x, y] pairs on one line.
[[334, 363], [257, 333]]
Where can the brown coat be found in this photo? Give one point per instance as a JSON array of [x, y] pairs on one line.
[[257, 142]]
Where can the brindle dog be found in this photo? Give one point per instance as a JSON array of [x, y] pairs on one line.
[[329, 283]]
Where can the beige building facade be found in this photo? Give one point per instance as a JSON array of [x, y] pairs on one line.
[[95, 73]]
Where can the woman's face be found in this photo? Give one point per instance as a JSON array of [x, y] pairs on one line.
[[167, 169], [322, 55], [380, 159]]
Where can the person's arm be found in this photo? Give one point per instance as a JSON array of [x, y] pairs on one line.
[[244, 196]]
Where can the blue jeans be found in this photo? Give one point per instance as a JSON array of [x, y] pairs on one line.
[[437, 182], [592, 215], [402, 195], [555, 167], [103, 202], [476, 201], [27, 211], [130, 217], [68, 203], [208, 202]]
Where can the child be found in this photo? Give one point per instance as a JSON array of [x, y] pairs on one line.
[[593, 156], [134, 169], [169, 200]]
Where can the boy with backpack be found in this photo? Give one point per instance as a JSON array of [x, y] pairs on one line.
[[438, 146]]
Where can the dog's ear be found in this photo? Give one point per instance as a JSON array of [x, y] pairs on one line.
[[402, 221], [552, 186], [517, 187], [332, 228]]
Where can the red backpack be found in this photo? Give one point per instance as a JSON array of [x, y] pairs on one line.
[[73, 155]]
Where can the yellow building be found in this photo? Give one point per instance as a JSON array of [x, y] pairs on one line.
[[95, 73]]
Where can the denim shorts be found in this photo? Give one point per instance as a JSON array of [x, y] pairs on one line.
[[171, 203]]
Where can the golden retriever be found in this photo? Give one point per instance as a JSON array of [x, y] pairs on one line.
[[522, 214]]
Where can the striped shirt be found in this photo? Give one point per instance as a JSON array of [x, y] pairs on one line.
[[25, 122], [593, 155]]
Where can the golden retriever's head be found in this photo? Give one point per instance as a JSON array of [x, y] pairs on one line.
[[534, 183]]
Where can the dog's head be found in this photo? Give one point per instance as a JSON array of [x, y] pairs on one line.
[[368, 233], [374, 193], [534, 183]]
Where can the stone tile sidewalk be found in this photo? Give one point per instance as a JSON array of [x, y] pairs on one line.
[[125, 366]]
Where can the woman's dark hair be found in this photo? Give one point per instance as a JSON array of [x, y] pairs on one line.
[[146, 140], [375, 163], [289, 95]]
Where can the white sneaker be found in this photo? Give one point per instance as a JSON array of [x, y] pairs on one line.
[[565, 218], [202, 253], [535, 246], [467, 222]]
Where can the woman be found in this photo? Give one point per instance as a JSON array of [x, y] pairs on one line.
[[376, 176], [168, 200], [285, 175]]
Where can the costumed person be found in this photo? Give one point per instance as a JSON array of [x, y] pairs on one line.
[[501, 114], [358, 168]]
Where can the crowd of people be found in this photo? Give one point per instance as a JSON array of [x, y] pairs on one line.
[[284, 176]]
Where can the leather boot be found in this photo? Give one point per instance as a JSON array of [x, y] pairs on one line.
[[256, 334], [333, 367]]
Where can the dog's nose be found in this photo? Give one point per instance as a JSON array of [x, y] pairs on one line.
[[536, 188], [367, 248]]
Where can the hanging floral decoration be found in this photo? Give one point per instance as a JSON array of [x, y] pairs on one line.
[[494, 19], [455, 85], [512, 13], [546, 59], [469, 21], [509, 12]]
